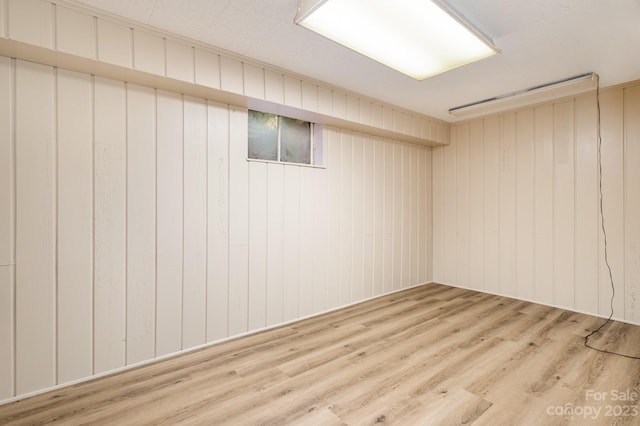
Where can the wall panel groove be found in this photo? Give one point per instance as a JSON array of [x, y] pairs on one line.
[[95, 40], [7, 228], [147, 231], [538, 173]]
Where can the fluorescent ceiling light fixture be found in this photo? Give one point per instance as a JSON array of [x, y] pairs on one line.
[[534, 95], [419, 38]]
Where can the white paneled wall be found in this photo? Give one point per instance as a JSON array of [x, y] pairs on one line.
[[516, 204], [133, 225], [7, 228], [36, 231], [96, 41]]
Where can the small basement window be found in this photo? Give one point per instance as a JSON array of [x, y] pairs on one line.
[[283, 139]]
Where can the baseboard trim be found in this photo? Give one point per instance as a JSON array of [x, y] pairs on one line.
[[196, 348]]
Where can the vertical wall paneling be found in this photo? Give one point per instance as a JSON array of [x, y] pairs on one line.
[[30, 21], [476, 205], [563, 204], [357, 220], [587, 230], [3, 17], [217, 221], [231, 75], [307, 245], [398, 207], [7, 257], [426, 129], [611, 104], [253, 81], [258, 197], [418, 124], [291, 242], [438, 216], [543, 133], [632, 203], [7, 169], [536, 170], [309, 96], [149, 52], [110, 228], [414, 214], [387, 117], [424, 245], [321, 240], [368, 218], [429, 209], [334, 208], [378, 190], [7, 338], [207, 69], [406, 229], [346, 223], [449, 214], [238, 222], [461, 137], [407, 123], [75, 225], [507, 204], [388, 225], [428, 154], [36, 187], [353, 108], [115, 45], [339, 104], [69, 24], [292, 92], [325, 100], [142, 229], [396, 117], [141, 223], [525, 205], [376, 114], [180, 61], [491, 203], [194, 290], [169, 219], [275, 243], [365, 112], [273, 86]]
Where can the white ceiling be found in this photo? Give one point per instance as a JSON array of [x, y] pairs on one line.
[[541, 41]]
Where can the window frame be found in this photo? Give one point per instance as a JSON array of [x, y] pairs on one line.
[[315, 133]]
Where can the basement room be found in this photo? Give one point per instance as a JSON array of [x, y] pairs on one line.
[[319, 212]]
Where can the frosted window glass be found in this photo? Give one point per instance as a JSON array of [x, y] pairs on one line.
[[295, 141], [263, 136]]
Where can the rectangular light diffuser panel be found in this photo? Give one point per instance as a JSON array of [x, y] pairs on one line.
[[419, 38]]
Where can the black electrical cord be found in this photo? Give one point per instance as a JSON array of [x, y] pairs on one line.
[[604, 232]]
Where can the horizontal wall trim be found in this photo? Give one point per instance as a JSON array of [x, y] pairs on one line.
[[197, 348], [284, 163], [31, 53], [120, 49]]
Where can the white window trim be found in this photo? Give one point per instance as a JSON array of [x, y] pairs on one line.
[[312, 147]]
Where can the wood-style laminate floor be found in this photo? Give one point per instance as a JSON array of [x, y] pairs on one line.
[[429, 355]]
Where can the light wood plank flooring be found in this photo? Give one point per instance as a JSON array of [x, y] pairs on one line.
[[429, 355]]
